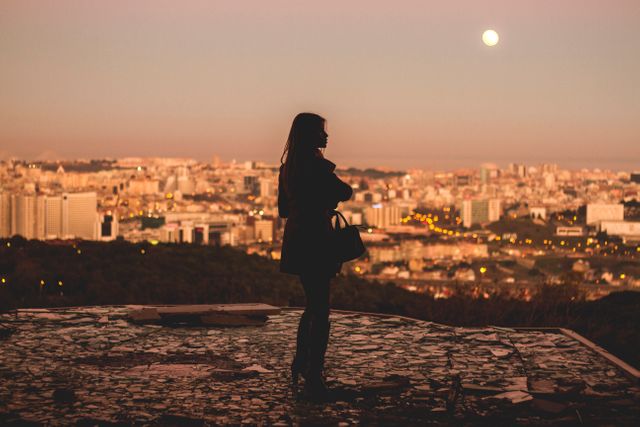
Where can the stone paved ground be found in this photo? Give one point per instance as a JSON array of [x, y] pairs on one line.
[[90, 366]]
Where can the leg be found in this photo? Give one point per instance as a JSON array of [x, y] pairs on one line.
[[301, 359], [317, 291]]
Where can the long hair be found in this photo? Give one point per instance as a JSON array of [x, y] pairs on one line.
[[299, 147]]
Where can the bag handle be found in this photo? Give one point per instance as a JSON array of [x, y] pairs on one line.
[[339, 215]]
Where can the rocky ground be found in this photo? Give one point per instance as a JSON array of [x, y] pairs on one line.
[[90, 366]]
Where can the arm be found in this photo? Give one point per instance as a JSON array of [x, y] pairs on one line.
[[341, 189], [335, 191], [331, 189]]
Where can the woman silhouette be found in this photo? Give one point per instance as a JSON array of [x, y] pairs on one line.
[[308, 191]]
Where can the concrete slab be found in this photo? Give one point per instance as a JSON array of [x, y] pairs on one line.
[[208, 314]]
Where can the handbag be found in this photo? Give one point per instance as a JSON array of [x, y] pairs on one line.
[[347, 242]]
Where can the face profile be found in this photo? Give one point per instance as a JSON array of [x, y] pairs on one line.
[[323, 137], [306, 137]]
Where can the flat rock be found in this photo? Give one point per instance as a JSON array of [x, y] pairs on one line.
[[385, 370]]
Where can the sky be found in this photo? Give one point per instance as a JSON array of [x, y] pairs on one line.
[[402, 84]]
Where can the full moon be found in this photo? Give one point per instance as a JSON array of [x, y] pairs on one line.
[[490, 38]]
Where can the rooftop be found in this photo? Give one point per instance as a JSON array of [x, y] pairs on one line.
[[90, 365]]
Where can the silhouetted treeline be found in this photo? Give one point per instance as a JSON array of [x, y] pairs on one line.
[[95, 165], [39, 274], [370, 173]]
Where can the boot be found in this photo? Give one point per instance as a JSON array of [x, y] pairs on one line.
[[314, 387], [300, 364]]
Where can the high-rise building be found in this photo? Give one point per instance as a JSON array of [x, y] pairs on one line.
[[53, 217], [19, 216], [49, 217], [522, 171], [40, 226], [79, 215], [517, 169], [383, 215], [27, 216], [488, 172], [5, 215], [480, 211]]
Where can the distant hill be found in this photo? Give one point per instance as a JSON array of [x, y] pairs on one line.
[[45, 274], [370, 173]]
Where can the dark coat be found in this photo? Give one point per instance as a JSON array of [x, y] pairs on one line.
[[307, 244]]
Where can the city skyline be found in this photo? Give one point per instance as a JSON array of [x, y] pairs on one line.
[[404, 85], [418, 218], [433, 166]]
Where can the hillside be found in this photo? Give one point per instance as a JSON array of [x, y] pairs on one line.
[[41, 274]]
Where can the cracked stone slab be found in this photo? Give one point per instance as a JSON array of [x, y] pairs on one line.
[[90, 365]]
